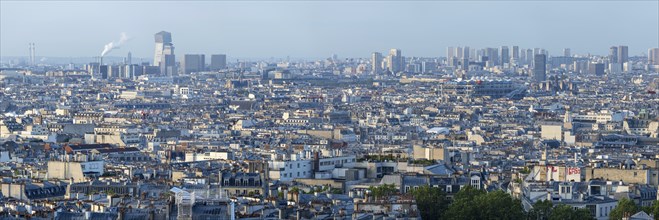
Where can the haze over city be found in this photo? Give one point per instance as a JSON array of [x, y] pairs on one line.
[[329, 110], [317, 29]]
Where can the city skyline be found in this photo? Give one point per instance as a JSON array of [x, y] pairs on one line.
[[314, 29]]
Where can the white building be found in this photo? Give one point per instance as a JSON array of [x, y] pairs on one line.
[[194, 157]]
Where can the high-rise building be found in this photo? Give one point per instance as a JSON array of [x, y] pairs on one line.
[[376, 63], [458, 53], [129, 58], [516, 53], [464, 59], [493, 56], [613, 54], [218, 61], [529, 56], [539, 67], [653, 56], [164, 54], [450, 56], [193, 63], [505, 55], [623, 54], [596, 69], [32, 48], [566, 52], [395, 62]]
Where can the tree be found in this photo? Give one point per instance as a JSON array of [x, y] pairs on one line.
[[472, 203], [384, 190], [541, 210], [652, 210], [463, 206], [431, 202], [625, 207], [566, 212]]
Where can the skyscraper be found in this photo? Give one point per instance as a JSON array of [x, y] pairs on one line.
[[653, 56], [129, 58], [539, 67], [566, 52], [164, 54], [623, 54], [376, 63], [31, 47], [492, 55], [613, 54], [395, 61], [450, 56], [596, 69], [464, 60], [505, 55], [218, 61], [193, 63], [516, 53]]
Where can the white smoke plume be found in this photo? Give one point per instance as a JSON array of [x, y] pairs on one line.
[[114, 45]]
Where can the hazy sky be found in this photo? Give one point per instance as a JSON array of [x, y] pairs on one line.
[[321, 28]]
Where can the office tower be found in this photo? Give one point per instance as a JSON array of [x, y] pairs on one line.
[[193, 63], [376, 63], [539, 67], [613, 54], [218, 61], [450, 56], [596, 69], [623, 54], [516, 52], [164, 54], [162, 38], [103, 71], [395, 62], [428, 67], [464, 60], [537, 51], [522, 56], [529, 56], [653, 56], [31, 47], [129, 59], [566, 52], [458, 52], [492, 55], [505, 56]]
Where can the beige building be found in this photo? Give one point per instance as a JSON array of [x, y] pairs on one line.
[[637, 176], [75, 167], [430, 153], [552, 132]]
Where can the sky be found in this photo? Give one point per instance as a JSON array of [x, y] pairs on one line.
[[318, 29]]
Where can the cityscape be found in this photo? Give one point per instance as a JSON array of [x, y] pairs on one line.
[[500, 131]]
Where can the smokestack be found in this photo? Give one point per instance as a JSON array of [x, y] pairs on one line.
[[114, 45]]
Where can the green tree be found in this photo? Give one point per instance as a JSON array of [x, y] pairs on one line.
[[500, 205], [625, 207], [541, 210], [566, 212], [431, 202], [463, 206], [383, 191], [652, 210], [472, 203]]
